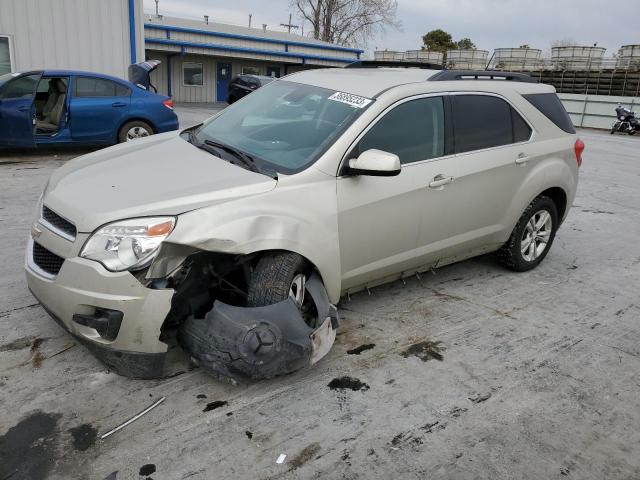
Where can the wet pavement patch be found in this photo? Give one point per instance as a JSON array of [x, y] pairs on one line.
[[201, 395], [360, 349], [213, 405], [424, 351], [84, 436], [19, 344], [26, 450], [249, 434], [347, 383], [147, 469], [305, 455]]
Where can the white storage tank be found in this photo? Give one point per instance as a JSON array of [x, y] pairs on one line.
[[424, 56], [515, 59], [471, 59], [388, 55], [577, 57], [628, 57]]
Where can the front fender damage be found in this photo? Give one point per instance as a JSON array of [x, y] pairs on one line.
[[237, 343]]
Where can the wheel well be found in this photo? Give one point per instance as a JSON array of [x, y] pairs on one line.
[[559, 197]]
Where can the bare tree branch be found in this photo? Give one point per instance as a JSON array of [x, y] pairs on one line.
[[348, 22]]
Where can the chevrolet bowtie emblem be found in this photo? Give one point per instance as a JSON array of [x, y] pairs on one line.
[[35, 231]]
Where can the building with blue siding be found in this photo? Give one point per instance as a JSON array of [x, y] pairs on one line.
[[199, 58]]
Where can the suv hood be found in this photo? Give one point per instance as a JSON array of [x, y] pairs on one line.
[[159, 175]]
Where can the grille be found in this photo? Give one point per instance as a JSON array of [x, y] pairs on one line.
[[46, 260], [58, 222]]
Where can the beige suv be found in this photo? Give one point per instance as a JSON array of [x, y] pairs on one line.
[[237, 238]]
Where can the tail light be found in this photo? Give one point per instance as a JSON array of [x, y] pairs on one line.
[[168, 103], [579, 148]]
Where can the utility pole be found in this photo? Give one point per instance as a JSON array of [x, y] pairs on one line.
[[289, 25], [157, 1]]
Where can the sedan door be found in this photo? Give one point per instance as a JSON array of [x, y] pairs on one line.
[[17, 111], [98, 108], [380, 218]]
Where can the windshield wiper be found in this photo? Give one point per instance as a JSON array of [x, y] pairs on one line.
[[246, 159]]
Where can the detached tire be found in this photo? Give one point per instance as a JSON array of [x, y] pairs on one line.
[[273, 276], [532, 236], [134, 130]]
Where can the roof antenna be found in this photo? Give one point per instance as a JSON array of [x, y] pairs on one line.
[[157, 2], [250, 15], [206, 19]]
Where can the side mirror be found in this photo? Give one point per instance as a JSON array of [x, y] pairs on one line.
[[375, 163]]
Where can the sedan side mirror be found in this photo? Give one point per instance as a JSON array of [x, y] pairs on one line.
[[375, 163]]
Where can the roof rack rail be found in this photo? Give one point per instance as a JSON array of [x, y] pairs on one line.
[[446, 75], [393, 64]]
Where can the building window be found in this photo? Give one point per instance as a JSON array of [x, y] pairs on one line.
[[250, 70], [192, 73], [6, 60]]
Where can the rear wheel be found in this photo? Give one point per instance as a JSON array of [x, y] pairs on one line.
[[134, 130], [532, 236]]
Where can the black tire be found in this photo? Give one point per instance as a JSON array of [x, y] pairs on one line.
[[632, 132], [122, 134], [511, 253], [272, 277], [231, 99], [613, 130]]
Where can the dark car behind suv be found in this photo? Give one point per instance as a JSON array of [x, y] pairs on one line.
[[243, 85]]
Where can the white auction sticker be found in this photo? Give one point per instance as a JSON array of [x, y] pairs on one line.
[[350, 99]]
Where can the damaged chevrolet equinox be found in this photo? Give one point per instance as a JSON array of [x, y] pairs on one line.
[[236, 239]]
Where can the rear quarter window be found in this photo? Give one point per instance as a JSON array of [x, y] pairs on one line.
[[550, 105]]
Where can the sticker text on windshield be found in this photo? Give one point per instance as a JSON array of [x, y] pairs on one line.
[[350, 99]]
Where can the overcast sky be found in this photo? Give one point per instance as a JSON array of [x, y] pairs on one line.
[[489, 23]]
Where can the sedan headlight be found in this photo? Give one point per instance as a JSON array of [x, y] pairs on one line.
[[128, 244]]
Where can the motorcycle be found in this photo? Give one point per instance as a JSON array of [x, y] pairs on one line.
[[626, 121]]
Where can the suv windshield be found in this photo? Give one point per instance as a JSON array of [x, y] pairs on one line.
[[284, 126]]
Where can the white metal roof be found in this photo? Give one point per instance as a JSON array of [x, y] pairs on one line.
[[235, 30]]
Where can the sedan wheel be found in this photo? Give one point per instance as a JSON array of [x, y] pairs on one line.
[[137, 132]]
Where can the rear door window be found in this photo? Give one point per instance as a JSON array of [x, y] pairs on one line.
[[413, 130], [551, 106], [99, 87], [484, 121]]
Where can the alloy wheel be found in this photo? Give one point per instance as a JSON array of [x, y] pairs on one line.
[[536, 235]]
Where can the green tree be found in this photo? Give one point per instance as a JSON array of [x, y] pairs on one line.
[[465, 44], [438, 41]]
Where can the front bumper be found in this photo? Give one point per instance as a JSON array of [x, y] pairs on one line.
[[81, 288]]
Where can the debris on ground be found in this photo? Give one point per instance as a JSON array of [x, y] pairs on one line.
[[348, 383], [133, 419]]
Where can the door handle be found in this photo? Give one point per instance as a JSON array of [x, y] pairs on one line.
[[522, 159], [118, 104], [440, 181]]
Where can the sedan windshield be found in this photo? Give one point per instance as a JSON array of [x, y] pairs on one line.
[[284, 126]]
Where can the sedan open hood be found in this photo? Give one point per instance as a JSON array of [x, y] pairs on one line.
[[159, 175]]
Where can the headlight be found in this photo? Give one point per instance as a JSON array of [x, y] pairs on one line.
[[128, 244]]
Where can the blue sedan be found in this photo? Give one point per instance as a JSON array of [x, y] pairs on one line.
[[52, 107]]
